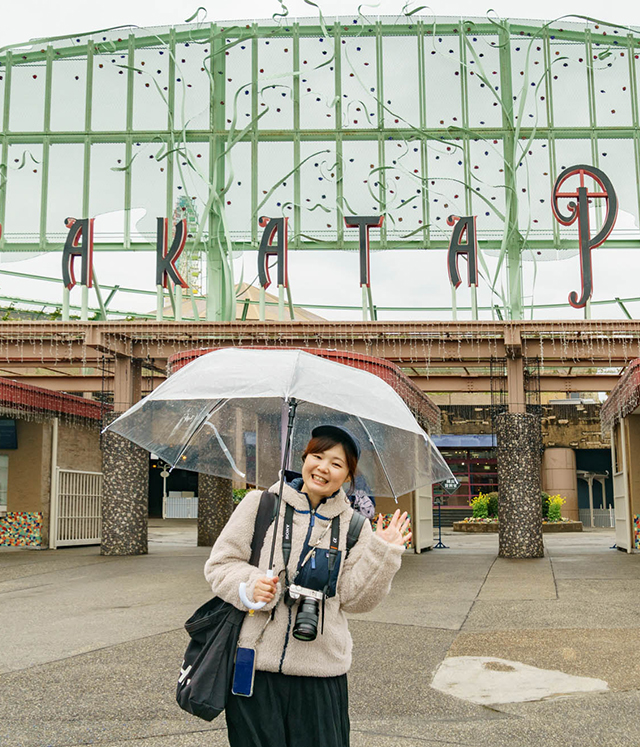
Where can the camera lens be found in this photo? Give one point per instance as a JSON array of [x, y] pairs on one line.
[[306, 625]]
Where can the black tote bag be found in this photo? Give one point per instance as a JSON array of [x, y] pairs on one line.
[[207, 670]]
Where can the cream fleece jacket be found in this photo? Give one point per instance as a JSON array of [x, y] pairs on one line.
[[364, 580]]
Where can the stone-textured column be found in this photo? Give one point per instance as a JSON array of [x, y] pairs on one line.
[[520, 510], [125, 495], [215, 506]]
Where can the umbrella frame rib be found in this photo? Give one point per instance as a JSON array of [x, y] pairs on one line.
[[218, 404], [380, 459]]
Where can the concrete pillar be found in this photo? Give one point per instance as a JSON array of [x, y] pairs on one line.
[[215, 506], [559, 476], [520, 509], [515, 385], [136, 381], [125, 495], [127, 382], [516, 395]]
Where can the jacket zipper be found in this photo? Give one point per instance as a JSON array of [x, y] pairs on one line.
[[312, 520]]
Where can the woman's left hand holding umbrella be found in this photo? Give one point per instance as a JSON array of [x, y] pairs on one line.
[[264, 585], [264, 589]]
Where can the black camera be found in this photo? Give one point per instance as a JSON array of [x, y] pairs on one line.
[[306, 624]]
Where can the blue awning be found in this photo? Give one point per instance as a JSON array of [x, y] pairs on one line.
[[472, 441]]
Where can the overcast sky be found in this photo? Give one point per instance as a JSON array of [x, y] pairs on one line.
[[398, 279]]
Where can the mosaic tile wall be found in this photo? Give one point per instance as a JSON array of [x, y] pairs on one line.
[[520, 511], [215, 506], [125, 495], [636, 532], [21, 529]]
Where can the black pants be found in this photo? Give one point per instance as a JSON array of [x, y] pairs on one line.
[[286, 711]]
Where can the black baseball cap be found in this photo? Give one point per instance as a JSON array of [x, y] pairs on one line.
[[340, 434]]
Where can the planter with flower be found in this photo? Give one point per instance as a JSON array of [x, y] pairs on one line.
[[484, 516]]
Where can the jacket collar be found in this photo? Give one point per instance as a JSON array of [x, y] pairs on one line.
[[330, 507]]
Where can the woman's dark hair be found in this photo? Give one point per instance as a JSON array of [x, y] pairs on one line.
[[318, 444]]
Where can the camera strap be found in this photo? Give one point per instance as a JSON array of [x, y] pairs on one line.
[[331, 560], [286, 550], [287, 533], [335, 542], [355, 525]]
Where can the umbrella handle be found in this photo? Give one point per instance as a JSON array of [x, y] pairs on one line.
[[242, 591]]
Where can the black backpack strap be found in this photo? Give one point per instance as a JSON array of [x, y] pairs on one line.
[[355, 526], [264, 517]]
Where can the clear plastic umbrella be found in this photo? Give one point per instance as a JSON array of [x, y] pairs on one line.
[[225, 414], [242, 413]]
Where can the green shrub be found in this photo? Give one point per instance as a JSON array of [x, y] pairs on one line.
[[545, 504], [492, 505], [239, 494], [485, 505], [480, 506], [555, 508]]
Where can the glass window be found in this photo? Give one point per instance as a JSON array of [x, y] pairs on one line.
[[617, 447], [475, 469]]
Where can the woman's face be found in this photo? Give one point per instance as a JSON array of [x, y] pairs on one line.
[[325, 472]]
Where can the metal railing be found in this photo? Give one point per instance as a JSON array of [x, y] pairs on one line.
[[179, 506], [78, 517], [602, 517]]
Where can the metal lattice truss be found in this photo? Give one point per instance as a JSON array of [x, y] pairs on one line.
[[412, 119]]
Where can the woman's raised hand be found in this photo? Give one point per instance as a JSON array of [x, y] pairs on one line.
[[265, 589], [397, 532]]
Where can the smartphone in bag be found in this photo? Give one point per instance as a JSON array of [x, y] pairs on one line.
[[244, 672]]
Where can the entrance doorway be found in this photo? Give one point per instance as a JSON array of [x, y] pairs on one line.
[[475, 469], [177, 481]]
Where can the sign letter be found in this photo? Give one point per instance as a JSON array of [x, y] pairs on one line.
[[580, 211], [79, 230], [273, 228], [364, 223], [166, 258], [463, 227]]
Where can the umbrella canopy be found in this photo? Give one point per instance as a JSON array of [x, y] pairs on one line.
[[225, 414]]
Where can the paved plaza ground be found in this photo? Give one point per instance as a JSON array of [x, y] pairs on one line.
[[91, 646]]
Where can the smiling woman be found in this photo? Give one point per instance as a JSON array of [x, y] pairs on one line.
[[330, 459], [300, 651]]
